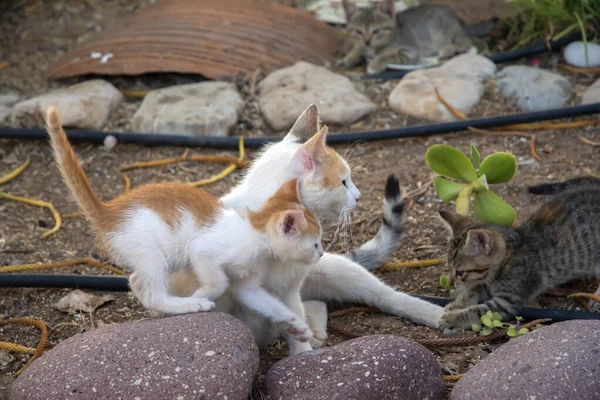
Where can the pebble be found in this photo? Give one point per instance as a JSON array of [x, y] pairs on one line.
[[285, 94], [196, 109], [533, 89], [574, 55], [560, 361], [592, 94], [459, 82], [378, 367], [193, 356], [86, 105]]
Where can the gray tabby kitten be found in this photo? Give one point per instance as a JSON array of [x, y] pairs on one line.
[[382, 37], [500, 269]]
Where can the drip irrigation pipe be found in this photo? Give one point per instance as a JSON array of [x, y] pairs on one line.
[[501, 57], [231, 142], [121, 284]]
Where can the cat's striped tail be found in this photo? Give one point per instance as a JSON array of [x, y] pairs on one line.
[[70, 169], [378, 250], [557, 187]]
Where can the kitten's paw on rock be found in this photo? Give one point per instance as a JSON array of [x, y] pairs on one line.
[[299, 329], [318, 339]]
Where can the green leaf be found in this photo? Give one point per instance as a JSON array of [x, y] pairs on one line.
[[487, 321], [475, 157], [519, 318], [496, 316], [489, 314], [450, 162], [523, 331], [475, 327], [480, 185], [485, 332], [447, 190], [512, 332], [444, 281], [497, 323], [499, 167], [489, 207]]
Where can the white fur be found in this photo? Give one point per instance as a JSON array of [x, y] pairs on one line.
[[227, 254]]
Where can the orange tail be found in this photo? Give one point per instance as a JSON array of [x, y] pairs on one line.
[[71, 171]]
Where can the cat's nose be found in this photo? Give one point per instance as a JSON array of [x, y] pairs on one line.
[[368, 41]]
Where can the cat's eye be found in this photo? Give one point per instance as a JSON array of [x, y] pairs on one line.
[[460, 273], [359, 31], [376, 31], [317, 246], [344, 183]]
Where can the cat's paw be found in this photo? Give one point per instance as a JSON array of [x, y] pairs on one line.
[[298, 329], [318, 338], [452, 307], [448, 321], [198, 304]]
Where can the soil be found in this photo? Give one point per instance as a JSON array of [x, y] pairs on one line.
[[36, 33]]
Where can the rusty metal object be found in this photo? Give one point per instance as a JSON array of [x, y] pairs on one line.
[[214, 38]]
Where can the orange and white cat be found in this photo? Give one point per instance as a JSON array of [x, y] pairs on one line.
[[161, 228]]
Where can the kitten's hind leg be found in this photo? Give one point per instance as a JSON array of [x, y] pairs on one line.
[[151, 289], [212, 278]]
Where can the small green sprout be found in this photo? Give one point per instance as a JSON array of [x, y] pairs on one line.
[[491, 322], [445, 281], [473, 177]]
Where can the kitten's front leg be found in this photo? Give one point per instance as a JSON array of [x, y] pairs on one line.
[[293, 301], [264, 303], [354, 56], [467, 297], [390, 56], [505, 304], [316, 318]]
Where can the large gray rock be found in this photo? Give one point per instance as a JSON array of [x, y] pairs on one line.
[[533, 89], [377, 367], [286, 93], [86, 105], [195, 109], [194, 356], [561, 361], [592, 94], [459, 82]]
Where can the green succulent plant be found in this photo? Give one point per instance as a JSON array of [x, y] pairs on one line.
[[471, 176]]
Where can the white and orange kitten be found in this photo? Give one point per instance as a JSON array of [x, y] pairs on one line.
[[327, 190], [160, 228]]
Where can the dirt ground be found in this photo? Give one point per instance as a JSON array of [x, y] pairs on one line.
[[35, 33]]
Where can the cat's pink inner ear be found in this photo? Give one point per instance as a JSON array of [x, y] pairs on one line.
[[290, 222], [479, 243], [349, 8], [304, 161], [386, 7]]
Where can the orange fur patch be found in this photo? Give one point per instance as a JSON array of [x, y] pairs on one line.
[[547, 213], [333, 169], [285, 199]]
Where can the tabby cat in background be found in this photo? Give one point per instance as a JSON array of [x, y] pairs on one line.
[[383, 37], [500, 269]]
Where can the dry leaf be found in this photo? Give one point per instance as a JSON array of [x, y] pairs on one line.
[[78, 301]]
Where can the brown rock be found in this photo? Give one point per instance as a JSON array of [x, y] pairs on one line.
[[377, 367], [193, 356], [561, 361]]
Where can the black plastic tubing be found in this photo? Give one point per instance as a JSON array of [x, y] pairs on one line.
[[230, 142], [121, 284]]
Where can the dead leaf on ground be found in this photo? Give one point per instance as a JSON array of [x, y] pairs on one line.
[[78, 301]]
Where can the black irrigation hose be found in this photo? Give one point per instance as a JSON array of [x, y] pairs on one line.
[[121, 284], [498, 57], [342, 138]]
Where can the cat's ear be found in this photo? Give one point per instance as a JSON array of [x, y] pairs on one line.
[[451, 220], [291, 221], [479, 243], [289, 190], [311, 152], [305, 126], [386, 7], [349, 9]]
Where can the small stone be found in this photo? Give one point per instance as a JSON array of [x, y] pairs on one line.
[[286, 93], [86, 105], [592, 94], [459, 82], [533, 89], [555, 362], [574, 54], [377, 367], [195, 109], [96, 365]]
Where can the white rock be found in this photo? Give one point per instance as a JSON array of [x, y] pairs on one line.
[[459, 82], [196, 109], [86, 105], [286, 93], [592, 94], [574, 55], [533, 89]]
